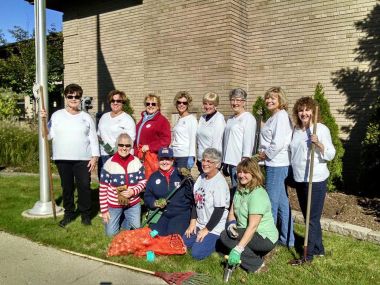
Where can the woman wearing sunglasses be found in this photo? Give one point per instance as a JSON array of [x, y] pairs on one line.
[[122, 180], [184, 132], [152, 132], [75, 152], [113, 123]]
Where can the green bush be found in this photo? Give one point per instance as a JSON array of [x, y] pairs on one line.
[[336, 165], [8, 105], [19, 147], [128, 108], [370, 153], [259, 110]]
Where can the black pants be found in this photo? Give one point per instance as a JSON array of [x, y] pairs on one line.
[[75, 172], [256, 249], [314, 242]]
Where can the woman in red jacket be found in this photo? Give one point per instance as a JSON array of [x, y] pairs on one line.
[[152, 133]]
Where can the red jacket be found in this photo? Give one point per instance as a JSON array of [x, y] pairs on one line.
[[155, 133]]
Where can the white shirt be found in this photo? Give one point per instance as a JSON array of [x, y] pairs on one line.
[[184, 134], [300, 154], [239, 138], [275, 137], [210, 133], [74, 136], [110, 128], [209, 194]]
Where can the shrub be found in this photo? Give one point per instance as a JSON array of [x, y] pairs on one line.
[[8, 105], [19, 147], [128, 108], [336, 165], [259, 110], [370, 153]]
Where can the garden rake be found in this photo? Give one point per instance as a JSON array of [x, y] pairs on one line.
[[172, 278]]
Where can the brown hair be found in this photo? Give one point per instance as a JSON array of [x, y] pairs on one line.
[[153, 96], [251, 166], [304, 102], [283, 101], [116, 92], [182, 94], [73, 88]]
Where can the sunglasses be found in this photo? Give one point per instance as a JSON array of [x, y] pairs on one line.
[[154, 104], [183, 103], [123, 145], [76, 97], [117, 101]]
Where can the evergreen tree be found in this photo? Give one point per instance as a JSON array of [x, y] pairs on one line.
[[259, 110], [336, 165]]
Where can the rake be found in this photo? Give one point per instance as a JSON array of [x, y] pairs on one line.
[[173, 278]]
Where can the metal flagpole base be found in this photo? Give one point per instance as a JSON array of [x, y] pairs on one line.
[[42, 210]]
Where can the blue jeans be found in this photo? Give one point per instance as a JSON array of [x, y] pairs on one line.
[[182, 162], [314, 243], [278, 195], [201, 250], [123, 218]]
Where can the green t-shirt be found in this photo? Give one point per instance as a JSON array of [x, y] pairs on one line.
[[255, 202]]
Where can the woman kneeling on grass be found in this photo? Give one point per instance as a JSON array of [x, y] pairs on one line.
[[251, 232], [209, 214], [121, 181]]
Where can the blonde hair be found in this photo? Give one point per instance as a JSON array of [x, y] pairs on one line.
[[183, 94], [153, 96], [212, 98], [251, 166], [283, 101]]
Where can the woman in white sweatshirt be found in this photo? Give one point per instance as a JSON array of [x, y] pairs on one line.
[[184, 132], [303, 113], [275, 138], [75, 152]]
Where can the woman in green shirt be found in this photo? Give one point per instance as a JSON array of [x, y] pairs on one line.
[[250, 231]]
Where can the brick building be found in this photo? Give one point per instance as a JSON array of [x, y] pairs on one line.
[[164, 46]]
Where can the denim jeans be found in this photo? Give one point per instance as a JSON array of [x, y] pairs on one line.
[[314, 244], [123, 218], [201, 250], [182, 162], [278, 195]]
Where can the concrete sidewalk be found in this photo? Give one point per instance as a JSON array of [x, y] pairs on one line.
[[25, 262]]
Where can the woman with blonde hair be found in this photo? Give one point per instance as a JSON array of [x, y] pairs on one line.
[[210, 127], [275, 138], [250, 232]]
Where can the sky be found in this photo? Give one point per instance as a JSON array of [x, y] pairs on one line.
[[21, 13]]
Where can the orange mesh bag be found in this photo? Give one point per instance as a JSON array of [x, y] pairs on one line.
[[139, 241], [149, 160]]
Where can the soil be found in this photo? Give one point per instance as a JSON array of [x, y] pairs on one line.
[[360, 211]]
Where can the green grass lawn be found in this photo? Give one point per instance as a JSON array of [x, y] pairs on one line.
[[351, 261]]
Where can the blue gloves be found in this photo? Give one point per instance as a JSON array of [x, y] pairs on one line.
[[234, 256], [231, 229], [190, 162]]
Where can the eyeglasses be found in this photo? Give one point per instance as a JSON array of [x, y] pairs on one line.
[[236, 100], [76, 97], [208, 161], [117, 101], [154, 104], [183, 103], [123, 145]]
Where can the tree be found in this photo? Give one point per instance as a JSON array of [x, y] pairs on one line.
[[259, 110], [336, 165], [8, 105]]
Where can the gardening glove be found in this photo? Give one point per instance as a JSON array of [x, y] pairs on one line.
[[190, 162], [120, 197], [234, 256], [232, 229], [160, 203]]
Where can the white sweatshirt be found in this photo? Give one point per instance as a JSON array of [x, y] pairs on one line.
[[184, 134], [110, 128], [300, 154], [275, 138], [210, 133], [74, 136], [239, 138]]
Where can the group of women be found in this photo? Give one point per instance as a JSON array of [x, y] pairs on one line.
[[205, 212]]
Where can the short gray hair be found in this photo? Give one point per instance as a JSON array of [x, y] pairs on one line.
[[124, 136], [238, 92], [213, 154]]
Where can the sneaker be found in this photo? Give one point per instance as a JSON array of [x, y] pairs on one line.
[[86, 221], [65, 221]]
